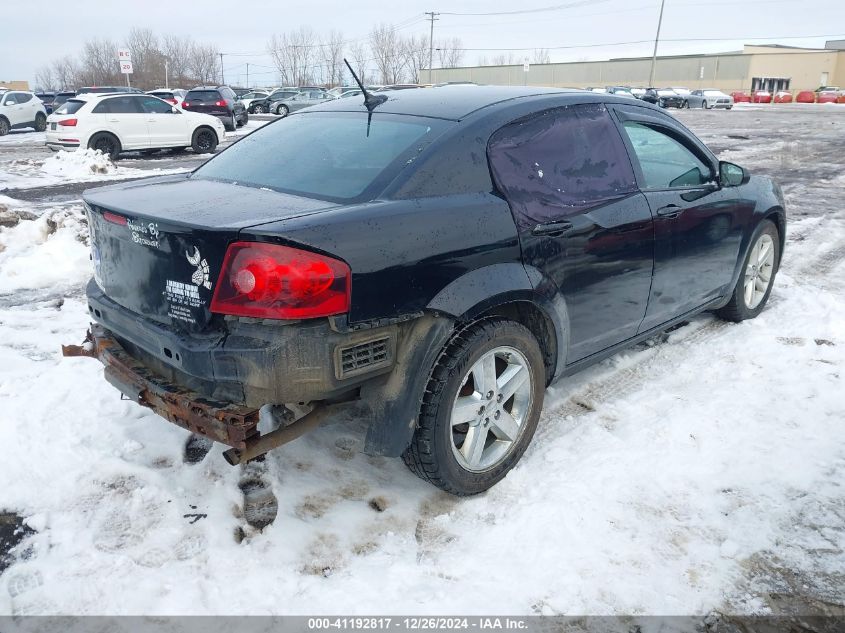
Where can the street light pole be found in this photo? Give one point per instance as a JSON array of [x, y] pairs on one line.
[[656, 39], [222, 78]]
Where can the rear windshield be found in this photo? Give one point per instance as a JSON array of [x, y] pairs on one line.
[[330, 156], [70, 106], [202, 95], [162, 94]]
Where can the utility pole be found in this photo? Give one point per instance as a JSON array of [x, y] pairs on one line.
[[166, 85], [247, 74], [431, 15], [656, 39], [222, 78]]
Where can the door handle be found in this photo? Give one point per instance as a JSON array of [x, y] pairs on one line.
[[670, 211], [552, 229]]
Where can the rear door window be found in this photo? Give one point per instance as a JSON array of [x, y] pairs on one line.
[[120, 105], [156, 106], [560, 162]]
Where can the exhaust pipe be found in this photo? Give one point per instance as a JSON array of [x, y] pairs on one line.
[[264, 443]]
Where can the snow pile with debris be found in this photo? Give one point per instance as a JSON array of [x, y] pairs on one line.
[[698, 471], [40, 251], [78, 165]]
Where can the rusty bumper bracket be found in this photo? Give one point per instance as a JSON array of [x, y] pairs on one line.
[[227, 423]]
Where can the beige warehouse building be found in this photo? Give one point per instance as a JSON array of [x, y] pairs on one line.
[[770, 67]]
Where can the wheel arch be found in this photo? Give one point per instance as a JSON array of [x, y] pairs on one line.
[[777, 215], [507, 290]]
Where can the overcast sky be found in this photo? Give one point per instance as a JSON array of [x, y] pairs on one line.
[[33, 37]]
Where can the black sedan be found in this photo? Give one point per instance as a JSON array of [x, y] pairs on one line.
[[427, 261], [665, 98]]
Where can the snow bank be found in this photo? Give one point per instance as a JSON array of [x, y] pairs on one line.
[[79, 164], [42, 251]]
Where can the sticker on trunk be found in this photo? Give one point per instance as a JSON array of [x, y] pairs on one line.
[[184, 297], [145, 234]]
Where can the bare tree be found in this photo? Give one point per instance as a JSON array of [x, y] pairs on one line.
[[415, 51], [449, 52], [503, 59], [99, 63], [541, 56], [358, 53], [333, 58], [294, 54], [67, 75], [203, 63], [45, 79], [176, 51], [386, 48]]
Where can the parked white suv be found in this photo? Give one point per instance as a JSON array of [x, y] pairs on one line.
[[21, 109], [118, 122]]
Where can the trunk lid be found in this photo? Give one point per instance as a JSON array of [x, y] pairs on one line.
[[157, 246]]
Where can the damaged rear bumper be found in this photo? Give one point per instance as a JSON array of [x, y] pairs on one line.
[[223, 422]]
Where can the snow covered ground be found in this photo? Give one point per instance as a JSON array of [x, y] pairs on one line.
[[701, 471]]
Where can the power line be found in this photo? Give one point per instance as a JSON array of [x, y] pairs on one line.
[[683, 39], [556, 7]]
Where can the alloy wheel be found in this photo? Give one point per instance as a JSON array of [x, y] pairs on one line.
[[490, 409], [204, 140], [758, 271]]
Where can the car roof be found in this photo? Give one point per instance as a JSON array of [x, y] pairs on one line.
[[447, 102]]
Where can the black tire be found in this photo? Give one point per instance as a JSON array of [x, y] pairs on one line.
[[40, 122], [243, 120], [282, 110], [737, 309], [106, 143], [4, 127], [259, 109], [686, 104], [430, 455], [204, 140]]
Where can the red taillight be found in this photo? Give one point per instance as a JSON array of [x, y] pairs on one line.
[[185, 104], [114, 218], [171, 101], [68, 122], [272, 281], [220, 103]]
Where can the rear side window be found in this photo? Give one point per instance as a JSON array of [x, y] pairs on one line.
[[202, 95], [665, 162], [119, 105], [70, 107], [23, 97], [559, 163], [156, 106]]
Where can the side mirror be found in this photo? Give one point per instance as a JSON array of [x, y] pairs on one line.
[[731, 175]]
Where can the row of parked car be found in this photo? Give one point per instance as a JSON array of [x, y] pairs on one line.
[[674, 97], [824, 94]]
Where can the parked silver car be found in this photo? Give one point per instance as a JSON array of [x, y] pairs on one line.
[[300, 100], [709, 98]]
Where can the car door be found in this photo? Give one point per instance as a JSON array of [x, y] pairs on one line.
[[582, 222], [14, 109], [30, 106], [166, 128], [698, 224], [125, 117]]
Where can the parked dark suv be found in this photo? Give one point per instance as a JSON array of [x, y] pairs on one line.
[[427, 261], [219, 101]]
